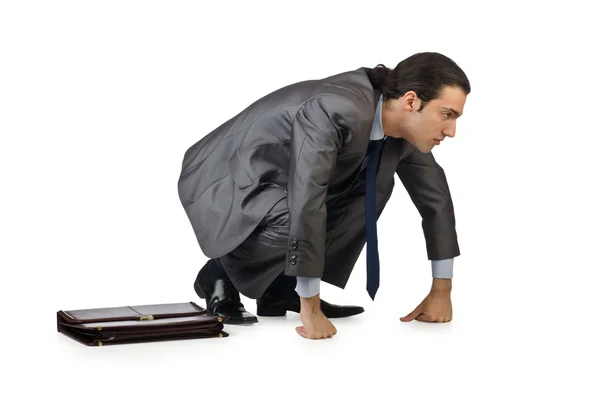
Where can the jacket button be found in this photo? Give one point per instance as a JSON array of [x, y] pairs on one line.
[[293, 261], [293, 256], [294, 240]]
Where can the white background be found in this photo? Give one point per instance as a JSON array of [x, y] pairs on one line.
[[100, 100]]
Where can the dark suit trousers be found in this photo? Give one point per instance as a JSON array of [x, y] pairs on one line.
[[261, 258]]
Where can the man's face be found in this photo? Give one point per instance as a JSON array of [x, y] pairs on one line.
[[427, 128]]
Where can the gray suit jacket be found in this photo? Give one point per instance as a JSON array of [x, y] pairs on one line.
[[305, 143]]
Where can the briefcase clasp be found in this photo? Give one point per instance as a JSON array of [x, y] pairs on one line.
[[146, 318]]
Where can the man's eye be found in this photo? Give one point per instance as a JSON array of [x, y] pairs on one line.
[[447, 114]]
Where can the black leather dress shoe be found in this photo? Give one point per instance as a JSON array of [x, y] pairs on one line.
[[222, 299], [272, 306]]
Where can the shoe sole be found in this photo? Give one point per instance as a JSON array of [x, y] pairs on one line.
[[270, 312], [280, 312]]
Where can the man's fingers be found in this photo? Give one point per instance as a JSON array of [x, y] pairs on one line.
[[431, 319], [426, 318], [414, 314], [302, 332], [322, 335]]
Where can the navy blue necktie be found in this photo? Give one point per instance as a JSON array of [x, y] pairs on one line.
[[373, 154]]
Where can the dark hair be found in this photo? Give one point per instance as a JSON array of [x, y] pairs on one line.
[[425, 73]]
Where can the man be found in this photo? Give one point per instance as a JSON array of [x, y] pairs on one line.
[[286, 193]]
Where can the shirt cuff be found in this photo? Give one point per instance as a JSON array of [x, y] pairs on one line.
[[442, 268], [307, 287]]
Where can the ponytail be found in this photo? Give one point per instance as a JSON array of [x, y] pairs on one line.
[[378, 75]]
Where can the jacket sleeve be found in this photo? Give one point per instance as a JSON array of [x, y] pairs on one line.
[[428, 189], [318, 131]]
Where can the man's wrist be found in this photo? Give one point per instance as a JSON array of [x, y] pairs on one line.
[[441, 286], [310, 305]]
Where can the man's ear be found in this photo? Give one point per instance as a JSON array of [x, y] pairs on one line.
[[410, 101]]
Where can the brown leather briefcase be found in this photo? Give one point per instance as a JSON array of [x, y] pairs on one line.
[[133, 324]]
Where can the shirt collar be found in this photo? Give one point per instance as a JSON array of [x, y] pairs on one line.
[[377, 127]]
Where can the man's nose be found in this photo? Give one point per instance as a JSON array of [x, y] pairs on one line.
[[450, 131]]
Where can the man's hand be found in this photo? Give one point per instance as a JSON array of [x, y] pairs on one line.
[[436, 307], [314, 323]]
